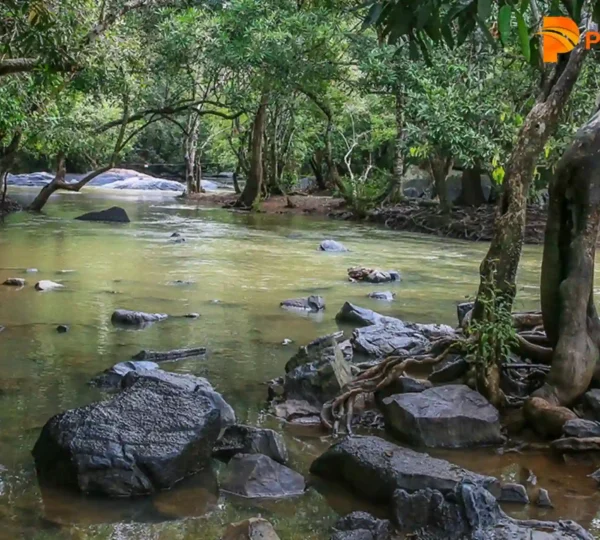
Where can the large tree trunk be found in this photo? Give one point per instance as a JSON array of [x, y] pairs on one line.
[[395, 191], [567, 283], [316, 164], [440, 167], [499, 267], [7, 158], [471, 193], [253, 187], [191, 147]]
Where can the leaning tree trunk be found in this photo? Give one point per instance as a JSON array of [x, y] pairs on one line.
[[191, 147], [7, 158], [440, 167], [253, 187], [567, 283], [471, 193]]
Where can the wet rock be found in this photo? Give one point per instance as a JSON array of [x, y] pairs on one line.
[[180, 240], [31, 271], [320, 381], [449, 370], [358, 316], [175, 235], [359, 525], [591, 404], [386, 338], [250, 529], [112, 215], [164, 356], [136, 318], [543, 499], [581, 428], [470, 513], [401, 385], [287, 342], [14, 282], [259, 477], [240, 439], [373, 275], [376, 468], [384, 295], [462, 310], [192, 316], [47, 285], [312, 303], [332, 245], [112, 377], [320, 350], [2, 328], [182, 282], [574, 445], [451, 416], [141, 441], [513, 493], [297, 411], [62, 328]]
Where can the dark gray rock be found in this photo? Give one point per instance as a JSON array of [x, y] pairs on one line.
[[62, 328], [179, 240], [581, 428], [259, 477], [332, 245], [297, 411], [191, 316], [513, 493], [359, 525], [47, 285], [387, 296], [240, 439], [175, 235], [387, 338], [449, 370], [451, 416], [591, 403], [142, 440], [401, 385], [543, 499], [164, 356], [320, 350], [14, 282], [358, 316], [373, 275], [112, 377], [136, 318], [112, 215], [462, 310], [376, 468], [311, 303]]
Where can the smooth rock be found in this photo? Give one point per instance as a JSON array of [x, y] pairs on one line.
[[14, 282], [240, 439], [375, 468], [143, 440], [112, 377], [543, 499], [449, 370], [332, 245], [295, 409], [136, 318], [581, 428], [591, 403], [250, 529], [359, 525], [513, 493], [312, 303], [62, 328], [259, 477], [31, 271], [112, 215], [573, 444], [47, 285], [462, 310], [358, 316], [443, 417], [384, 295], [164, 356]]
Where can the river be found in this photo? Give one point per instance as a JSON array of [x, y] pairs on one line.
[[239, 267]]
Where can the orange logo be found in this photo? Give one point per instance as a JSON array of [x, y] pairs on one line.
[[561, 35]]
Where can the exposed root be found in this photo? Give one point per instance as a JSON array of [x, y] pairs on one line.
[[537, 353]]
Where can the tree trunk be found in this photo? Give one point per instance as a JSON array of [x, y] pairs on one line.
[[395, 192], [236, 185], [471, 193], [7, 158], [252, 190], [191, 148], [440, 167], [567, 283], [499, 267], [333, 177], [316, 164]]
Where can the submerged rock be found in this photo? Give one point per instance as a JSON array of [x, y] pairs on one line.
[[240, 439], [373, 275], [513, 493], [111, 215], [356, 315], [312, 303], [362, 526], [250, 529], [543, 499], [136, 318], [164, 356], [142, 440], [62, 328], [332, 245], [14, 282], [47, 285], [581, 428], [376, 468], [259, 477], [443, 417], [112, 377], [384, 295]]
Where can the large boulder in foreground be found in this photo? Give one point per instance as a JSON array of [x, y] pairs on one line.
[[136, 318], [259, 477], [376, 468], [451, 416], [240, 439], [250, 529], [143, 440], [113, 215]]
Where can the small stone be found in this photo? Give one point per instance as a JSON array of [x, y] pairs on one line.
[[62, 328], [192, 316], [31, 271], [175, 235], [14, 282], [387, 296], [543, 499], [46, 285], [312, 303], [333, 246], [177, 241], [513, 493], [251, 529], [287, 341]]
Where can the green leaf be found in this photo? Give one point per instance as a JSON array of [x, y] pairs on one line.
[[484, 9], [523, 36], [524, 6], [373, 15], [447, 35], [504, 16]]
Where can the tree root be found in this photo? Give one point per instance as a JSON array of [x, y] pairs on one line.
[[537, 353]]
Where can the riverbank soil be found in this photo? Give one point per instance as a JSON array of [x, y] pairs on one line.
[[475, 224]]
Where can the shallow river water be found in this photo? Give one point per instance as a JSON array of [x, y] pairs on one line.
[[249, 263]]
